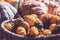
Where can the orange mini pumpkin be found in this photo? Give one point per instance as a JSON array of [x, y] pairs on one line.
[[47, 32], [30, 19], [54, 19], [9, 1], [52, 27], [25, 25], [45, 17], [34, 31], [8, 26], [21, 30]]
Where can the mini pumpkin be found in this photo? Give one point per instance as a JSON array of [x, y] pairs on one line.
[[25, 25], [30, 19], [54, 19], [45, 17], [8, 26], [52, 27], [34, 31], [21, 31], [47, 32], [9, 1]]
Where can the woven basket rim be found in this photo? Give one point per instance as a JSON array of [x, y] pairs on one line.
[[2, 26]]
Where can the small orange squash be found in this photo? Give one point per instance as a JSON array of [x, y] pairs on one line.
[[52, 27], [54, 19], [30, 19], [8, 26], [9, 1], [34, 31], [21, 30], [47, 32]]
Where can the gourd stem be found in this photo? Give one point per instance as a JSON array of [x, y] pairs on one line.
[[21, 18]]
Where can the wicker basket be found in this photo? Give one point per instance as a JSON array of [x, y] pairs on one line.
[[13, 36]]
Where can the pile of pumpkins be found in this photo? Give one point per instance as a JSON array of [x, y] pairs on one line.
[[31, 25]]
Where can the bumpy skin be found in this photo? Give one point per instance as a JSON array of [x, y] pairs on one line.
[[52, 7], [40, 7], [33, 31], [35, 7], [21, 30], [7, 11]]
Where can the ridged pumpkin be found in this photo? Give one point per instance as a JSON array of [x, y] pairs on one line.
[[47, 32], [31, 19], [34, 31], [52, 27]]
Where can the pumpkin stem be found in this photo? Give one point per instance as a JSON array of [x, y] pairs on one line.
[[20, 18]]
